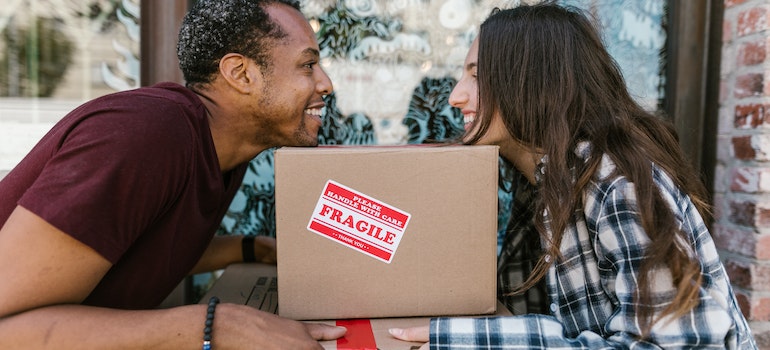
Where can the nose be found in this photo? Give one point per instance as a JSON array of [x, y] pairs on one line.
[[324, 84], [459, 97]]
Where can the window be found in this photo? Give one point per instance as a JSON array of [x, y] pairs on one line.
[[56, 54]]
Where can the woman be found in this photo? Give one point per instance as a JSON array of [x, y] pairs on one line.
[[626, 258]]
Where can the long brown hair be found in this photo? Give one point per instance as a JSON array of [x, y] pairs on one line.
[[545, 69]]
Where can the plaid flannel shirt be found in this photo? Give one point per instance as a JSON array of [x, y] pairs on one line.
[[519, 253], [591, 290]]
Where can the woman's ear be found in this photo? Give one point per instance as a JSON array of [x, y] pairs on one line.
[[237, 71]]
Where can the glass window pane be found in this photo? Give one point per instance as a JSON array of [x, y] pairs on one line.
[[56, 54]]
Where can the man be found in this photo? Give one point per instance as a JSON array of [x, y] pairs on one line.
[[121, 199]]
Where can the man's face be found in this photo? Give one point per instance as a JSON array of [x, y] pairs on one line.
[[289, 110]]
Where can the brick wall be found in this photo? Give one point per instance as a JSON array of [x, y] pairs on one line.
[[742, 186]]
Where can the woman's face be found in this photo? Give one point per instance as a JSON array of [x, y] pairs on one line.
[[465, 96]]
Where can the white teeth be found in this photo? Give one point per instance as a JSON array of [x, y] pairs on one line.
[[315, 111], [468, 118]]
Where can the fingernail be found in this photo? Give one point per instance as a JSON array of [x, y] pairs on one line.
[[395, 331]]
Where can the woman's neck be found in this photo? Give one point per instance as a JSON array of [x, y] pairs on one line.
[[523, 158]]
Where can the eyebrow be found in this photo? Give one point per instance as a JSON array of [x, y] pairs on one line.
[[311, 51], [471, 65]]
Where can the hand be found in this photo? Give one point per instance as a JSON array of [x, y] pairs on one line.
[[243, 327], [415, 334], [264, 249]]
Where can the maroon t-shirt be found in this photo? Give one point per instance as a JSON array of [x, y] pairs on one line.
[[135, 176]]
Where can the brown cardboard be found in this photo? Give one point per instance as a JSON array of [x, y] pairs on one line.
[[253, 285], [247, 284], [445, 261]]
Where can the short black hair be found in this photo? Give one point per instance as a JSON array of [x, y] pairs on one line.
[[214, 28]]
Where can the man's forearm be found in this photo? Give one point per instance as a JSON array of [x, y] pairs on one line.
[[84, 327]]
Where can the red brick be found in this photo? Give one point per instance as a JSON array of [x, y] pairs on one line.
[[750, 276], [748, 85], [744, 180], [744, 302], [752, 21], [752, 53], [762, 216], [744, 242], [742, 213], [754, 308], [740, 273], [727, 31], [750, 115], [739, 241], [762, 248], [742, 148], [760, 278]]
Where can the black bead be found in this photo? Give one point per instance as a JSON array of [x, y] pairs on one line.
[[210, 318]]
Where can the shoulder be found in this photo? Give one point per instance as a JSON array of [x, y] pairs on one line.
[[161, 115], [611, 191], [607, 185], [157, 103]]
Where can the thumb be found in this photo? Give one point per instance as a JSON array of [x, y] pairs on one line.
[[416, 334], [321, 331]]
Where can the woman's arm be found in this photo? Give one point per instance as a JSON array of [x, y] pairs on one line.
[[226, 250], [594, 288]]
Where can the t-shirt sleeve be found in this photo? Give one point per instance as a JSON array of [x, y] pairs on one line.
[[115, 172]]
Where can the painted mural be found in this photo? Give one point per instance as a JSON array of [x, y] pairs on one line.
[[394, 63]]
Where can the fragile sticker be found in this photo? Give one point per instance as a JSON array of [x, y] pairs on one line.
[[358, 221]]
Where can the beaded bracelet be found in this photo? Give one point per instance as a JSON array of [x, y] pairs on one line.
[[209, 323]]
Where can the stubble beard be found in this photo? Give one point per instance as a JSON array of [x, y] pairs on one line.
[[303, 137]]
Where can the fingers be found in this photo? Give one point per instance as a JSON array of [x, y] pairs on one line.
[[325, 332], [264, 249], [417, 334]]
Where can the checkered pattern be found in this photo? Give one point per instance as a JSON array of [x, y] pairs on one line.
[[519, 254], [592, 288]]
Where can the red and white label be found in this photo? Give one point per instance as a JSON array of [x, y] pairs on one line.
[[358, 221]]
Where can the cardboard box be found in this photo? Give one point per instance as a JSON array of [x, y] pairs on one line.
[[255, 285], [386, 231]]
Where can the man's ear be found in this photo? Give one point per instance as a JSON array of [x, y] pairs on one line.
[[238, 72]]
